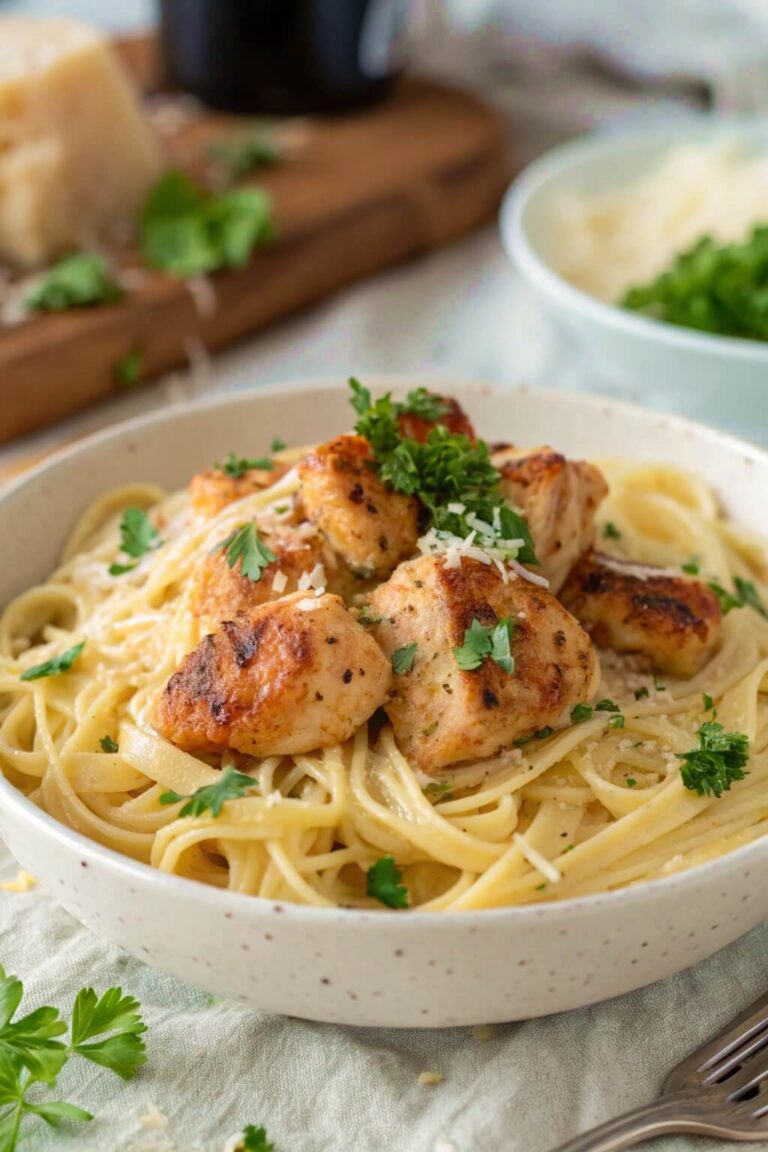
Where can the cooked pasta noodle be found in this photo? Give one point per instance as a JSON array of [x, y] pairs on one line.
[[588, 809]]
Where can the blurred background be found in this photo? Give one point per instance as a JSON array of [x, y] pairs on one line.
[[550, 70]]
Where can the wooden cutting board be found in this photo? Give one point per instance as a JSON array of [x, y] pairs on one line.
[[358, 193]]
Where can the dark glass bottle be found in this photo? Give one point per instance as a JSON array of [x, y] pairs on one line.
[[283, 56]]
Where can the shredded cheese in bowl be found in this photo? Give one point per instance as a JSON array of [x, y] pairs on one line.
[[614, 239]]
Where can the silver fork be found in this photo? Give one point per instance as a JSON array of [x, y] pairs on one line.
[[716, 1091]]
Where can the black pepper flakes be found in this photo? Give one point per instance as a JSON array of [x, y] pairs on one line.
[[347, 675]]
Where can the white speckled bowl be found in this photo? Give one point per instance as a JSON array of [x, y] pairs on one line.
[[383, 968]]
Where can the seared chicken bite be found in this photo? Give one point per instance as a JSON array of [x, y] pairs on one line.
[[290, 676], [558, 498], [212, 490], [441, 714], [454, 419], [673, 621], [218, 592], [371, 528]]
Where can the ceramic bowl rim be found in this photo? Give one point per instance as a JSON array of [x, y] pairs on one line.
[[23, 811]]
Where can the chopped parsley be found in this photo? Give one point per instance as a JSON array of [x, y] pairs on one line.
[[580, 713], [692, 566], [277, 444], [482, 641], [78, 281], [719, 760], [138, 536], [616, 722], [438, 789], [255, 1139], [128, 369], [106, 1030], [712, 287], [421, 403], [541, 887], [631, 782], [641, 693], [366, 618], [242, 152], [244, 545], [231, 785], [237, 466], [709, 704], [107, 744], [56, 666], [744, 595], [403, 658], [451, 476], [610, 531], [186, 232], [606, 706], [384, 883]]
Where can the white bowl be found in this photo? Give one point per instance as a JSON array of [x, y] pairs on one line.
[[359, 967], [717, 378]]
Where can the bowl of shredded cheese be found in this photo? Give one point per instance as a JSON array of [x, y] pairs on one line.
[[650, 248]]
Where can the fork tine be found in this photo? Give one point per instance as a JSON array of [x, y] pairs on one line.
[[754, 1044], [738, 1033]]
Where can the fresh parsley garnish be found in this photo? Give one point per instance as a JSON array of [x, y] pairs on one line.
[[581, 713], [105, 1030], [128, 369], [277, 444], [245, 151], [692, 566], [438, 789], [244, 545], [719, 760], [712, 287], [450, 475], [78, 281], [237, 466], [55, 666], [631, 782], [610, 531], [616, 722], [744, 595], [709, 704], [255, 1139], [231, 785], [384, 883], [107, 744], [421, 403], [403, 658], [482, 641], [189, 233], [606, 706], [641, 693], [138, 534]]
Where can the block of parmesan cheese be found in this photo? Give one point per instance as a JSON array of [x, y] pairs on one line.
[[76, 153]]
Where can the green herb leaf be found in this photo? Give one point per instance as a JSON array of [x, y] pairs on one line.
[[108, 744], [56, 1112], [246, 151], [438, 789], [384, 883], [709, 704], [277, 444], [75, 282], [255, 1139], [749, 595], [631, 783], [56, 666], [641, 693], [610, 531], [580, 713], [403, 658], [244, 545], [481, 641], [420, 402], [128, 369], [727, 600], [121, 569], [616, 722], [691, 566], [719, 760], [606, 706], [138, 534], [237, 466], [188, 233], [108, 1031], [231, 785]]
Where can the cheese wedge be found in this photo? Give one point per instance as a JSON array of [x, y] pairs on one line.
[[76, 153]]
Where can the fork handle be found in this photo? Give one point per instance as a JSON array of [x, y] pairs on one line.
[[661, 1117]]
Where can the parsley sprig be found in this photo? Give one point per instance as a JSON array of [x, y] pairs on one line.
[[78, 281], [483, 642], [231, 785], [106, 1030], [239, 153], [138, 536], [384, 883], [237, 466], [55, 666], [451, 476], [255, 1139], [719, 760], [744, 595], [188, 233], [403, 658], [245, 546]]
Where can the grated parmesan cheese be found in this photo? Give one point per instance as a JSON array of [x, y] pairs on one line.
[[279, 582], [314, 579], [535, 858], [24, 882], [153, 1119], [428, 1079]]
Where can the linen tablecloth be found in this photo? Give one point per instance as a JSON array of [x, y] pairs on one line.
[[215, 1066]]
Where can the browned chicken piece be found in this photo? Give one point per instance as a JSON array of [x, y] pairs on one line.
[[371, 528], [558, 498], [455, 420], [285, 678], [441, 714], [218, 592], [212, 490], [673, 621]]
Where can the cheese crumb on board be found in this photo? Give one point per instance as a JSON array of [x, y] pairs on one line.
[[428, 1079], [24, 882], [77, 155]]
